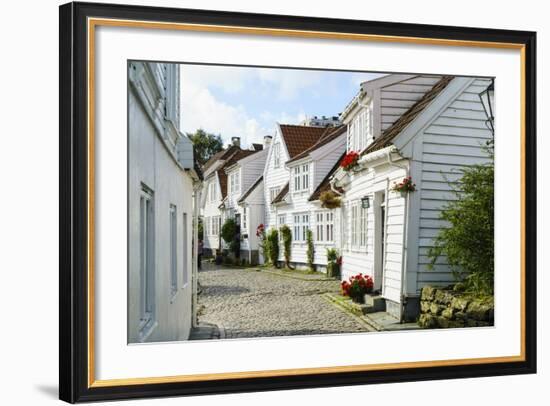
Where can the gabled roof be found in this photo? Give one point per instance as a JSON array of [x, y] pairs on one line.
[[330, 134], [282, 194], [222, 174], [324, 186], [298, 138], [408, 117], [251, 189], [219, 156]]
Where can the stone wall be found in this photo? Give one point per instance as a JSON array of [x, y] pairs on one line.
[[446, 308]]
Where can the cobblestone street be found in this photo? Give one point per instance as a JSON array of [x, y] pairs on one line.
[[249, 303]]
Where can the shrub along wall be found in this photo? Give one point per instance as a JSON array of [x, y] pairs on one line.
[[446, 308]]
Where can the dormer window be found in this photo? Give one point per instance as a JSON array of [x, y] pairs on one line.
[[360, 129], [276, 155], [234, 183], [301, 178]]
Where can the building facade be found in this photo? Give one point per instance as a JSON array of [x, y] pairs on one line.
[[425, 127], [162, 183]]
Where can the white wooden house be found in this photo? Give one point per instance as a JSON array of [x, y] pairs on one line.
[[162, 185], [244, 200], [214, 192], [229, 175], [299, 161], [426, 127]]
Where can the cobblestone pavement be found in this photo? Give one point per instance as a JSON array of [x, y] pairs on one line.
[[248, 303]]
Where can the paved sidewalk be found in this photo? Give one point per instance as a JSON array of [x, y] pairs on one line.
[[251, 303]]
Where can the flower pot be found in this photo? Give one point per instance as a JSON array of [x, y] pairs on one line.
[[403, 193]]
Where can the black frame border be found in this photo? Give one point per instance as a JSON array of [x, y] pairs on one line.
[[73, 202]]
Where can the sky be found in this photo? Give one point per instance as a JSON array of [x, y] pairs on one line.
[[249, 102]]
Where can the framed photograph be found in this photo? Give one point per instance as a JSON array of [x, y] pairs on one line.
[[262, 202]]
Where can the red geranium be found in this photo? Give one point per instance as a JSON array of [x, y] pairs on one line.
[[357, 286], [349, 161], [406, 185]]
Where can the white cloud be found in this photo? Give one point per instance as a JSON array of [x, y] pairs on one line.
[[200, 109], [289, 83]]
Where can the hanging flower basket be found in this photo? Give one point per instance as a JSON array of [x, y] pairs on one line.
[[329, 200], [404, 187], [350, 161]]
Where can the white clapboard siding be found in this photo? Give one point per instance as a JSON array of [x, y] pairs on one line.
[[397, 98], [274, 177], [455, 138], [361, 260]]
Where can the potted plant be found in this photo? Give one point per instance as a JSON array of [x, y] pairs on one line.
[[404, 187], [329, 200], [357, 286], [350, 161]]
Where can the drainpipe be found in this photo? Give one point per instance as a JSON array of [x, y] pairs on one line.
[[404, 242], [197, 186]]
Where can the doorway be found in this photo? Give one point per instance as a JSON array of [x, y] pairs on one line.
[[379, 208]]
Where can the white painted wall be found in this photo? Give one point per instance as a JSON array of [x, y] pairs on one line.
[[152, 164], [209, 211], [274, 176]]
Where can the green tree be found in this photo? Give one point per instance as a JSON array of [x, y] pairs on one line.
[[286, 236], [229, 235], [468, 242], [310, 253], [205, 144]]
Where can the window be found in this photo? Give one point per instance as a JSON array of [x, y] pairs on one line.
[[360, 130], [146, 261], [301, 225], [324, 226], [173, 250], [281, 221], [185, 252], [363, 227], [244, 221], [301, 177], [297, 179], [276, 155], [215, 225], [234, 183], [354, 224], [273, 192], [212, 191]]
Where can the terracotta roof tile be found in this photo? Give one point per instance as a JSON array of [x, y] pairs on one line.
[[298, 138], [330, 134], [408, 117]]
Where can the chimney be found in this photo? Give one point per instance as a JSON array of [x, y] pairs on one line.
[[267, 141], [236, 141]]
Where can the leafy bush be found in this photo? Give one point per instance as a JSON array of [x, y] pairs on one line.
[[357, 286], [273, 245], [468, 243], [310, 253], [286, 235], [230, 235], [333, 266]]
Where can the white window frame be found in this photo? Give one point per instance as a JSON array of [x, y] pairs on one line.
[[354, 225], [173, 229], [363, 227], [300, 226], [305, 177], [273, 193], [147, 262], [297, 178], [243, 221], [185, 252], [234, 182], [276, 155], [324, 226]]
